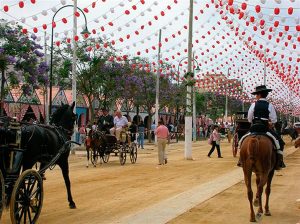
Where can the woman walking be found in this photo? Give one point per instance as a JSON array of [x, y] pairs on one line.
[[141, 131], [216, 138]]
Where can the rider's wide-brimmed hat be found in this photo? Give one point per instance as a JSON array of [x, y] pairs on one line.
[[261, 89]]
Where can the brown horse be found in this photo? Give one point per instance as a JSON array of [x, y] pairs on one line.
[[297, 142], [259, 156]]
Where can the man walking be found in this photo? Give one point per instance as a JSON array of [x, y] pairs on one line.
[[162, 134]]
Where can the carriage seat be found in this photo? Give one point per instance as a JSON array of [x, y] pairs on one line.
[[268, 134]]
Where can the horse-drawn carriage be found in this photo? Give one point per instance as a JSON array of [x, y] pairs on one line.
[[242, 126], [102, 145], [21, 147]]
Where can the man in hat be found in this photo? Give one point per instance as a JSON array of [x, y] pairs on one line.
[[105, 121], [263, 112]]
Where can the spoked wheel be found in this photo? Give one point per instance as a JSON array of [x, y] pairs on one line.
[[133, 153], [105, 156], [235, 144], [27, 198], [94, 157], [122, 155], [2, 194]]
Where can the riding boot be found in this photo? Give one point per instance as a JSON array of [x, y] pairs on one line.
[[279, 161]]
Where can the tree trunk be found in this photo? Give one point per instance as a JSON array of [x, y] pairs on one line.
[[149, 126], [2, 93]]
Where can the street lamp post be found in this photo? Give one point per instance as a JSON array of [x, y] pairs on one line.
[[85, 31]]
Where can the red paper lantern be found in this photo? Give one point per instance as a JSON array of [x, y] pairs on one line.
[[86, 10], [298, 28], [244, 6], [24, 30], [290, 10], [162, 13], [32, 1], [257, 8], [94, 31], [127, 12], [93, 4], [252, 19], [102, 28], [286, 28], [110, 23], [68, 40], [44, 26], [5, 8], [57, 43], [142, 1], [77, 14], [134, 7], [262, 22], [276, 23], [128, 36], [76, 38], [276, 11], [21, 4], [156, 17], [64, 20], [230, 2], [53, 24]]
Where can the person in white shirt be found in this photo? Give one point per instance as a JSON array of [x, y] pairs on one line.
[[120, 122]]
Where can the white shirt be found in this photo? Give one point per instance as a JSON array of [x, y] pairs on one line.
[[272, 112], [120, 122]]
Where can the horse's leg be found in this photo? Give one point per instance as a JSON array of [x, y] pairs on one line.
[[268, 192], [247, 178], [64, 165], [260, 188], [256, 200], [87, 155]]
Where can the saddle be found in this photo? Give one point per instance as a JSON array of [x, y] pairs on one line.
[[267, 134]]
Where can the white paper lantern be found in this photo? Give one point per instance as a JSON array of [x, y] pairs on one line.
[[283, 19], [38, 38], [44, 12], [112, 34], [63, 2], [23, 20], [149, 9], [12, 22], [35, 18], [66, 32], [96, 20], [271, 17], [134, 20], [142, 14], [278, 1], [104, 16], [127, 25], [263, 1], [56, 35], [119, 29], [121, 4], [134, 44], [53, 9], [112, 10], [155, 3]]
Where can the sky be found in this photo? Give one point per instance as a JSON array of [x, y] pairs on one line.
[[217, 47]]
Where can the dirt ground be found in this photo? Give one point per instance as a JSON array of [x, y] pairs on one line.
[[109, 192]]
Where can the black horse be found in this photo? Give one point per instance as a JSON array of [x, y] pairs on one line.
[[282, 129], [43, 142]]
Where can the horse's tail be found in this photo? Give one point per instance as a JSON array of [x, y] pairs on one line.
[[252, 149]]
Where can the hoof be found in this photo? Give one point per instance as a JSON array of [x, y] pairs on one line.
[[258, 216], [72, 205], [267, 213], [255, 202]]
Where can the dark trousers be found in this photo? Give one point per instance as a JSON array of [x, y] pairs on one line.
[[278, 137], [214, 145]]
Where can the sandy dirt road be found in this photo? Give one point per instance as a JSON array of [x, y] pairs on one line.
[[109, 192]]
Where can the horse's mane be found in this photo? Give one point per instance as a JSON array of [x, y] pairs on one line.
[[56, 116]]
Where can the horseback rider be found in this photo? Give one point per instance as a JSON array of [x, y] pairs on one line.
[[263, 113]]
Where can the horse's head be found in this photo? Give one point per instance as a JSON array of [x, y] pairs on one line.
[[64, 117]]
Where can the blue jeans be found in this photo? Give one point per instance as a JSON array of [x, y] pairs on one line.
[[140, 140]]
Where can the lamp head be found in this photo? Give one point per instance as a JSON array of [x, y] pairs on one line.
[[85, 32], [197, 69]]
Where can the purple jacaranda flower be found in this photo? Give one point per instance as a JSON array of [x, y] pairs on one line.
[[11, 59]]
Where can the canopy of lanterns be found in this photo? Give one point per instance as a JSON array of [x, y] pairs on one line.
[[246, 42]]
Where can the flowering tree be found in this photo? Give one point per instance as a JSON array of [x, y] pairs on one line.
[[21, 61]]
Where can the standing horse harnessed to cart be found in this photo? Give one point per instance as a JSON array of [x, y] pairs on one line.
[[261, 114]]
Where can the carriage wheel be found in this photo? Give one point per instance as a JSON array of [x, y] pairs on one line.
[[105, 156], [94, 156], [235, 144], [27, 198], [122, 155], [133, 153], [2, 193]]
